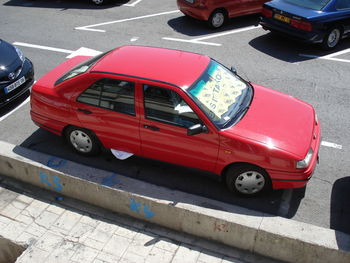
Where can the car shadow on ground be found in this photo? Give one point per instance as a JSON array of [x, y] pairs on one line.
[[13, 104], [65, 4], [192, 27], [162, 174], [292, 51], [340, 205]]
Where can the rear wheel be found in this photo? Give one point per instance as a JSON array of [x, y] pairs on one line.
[[82, 141], [98, 2], [217, 19], [332, 38], [247, 179]]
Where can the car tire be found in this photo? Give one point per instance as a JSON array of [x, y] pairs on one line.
[[332, 38], [98, 2], [82, 141], [247, 180], [217, 19]]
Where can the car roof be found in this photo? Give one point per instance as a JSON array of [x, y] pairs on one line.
[[179, 68]]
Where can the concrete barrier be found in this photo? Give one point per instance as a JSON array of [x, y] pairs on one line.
[[268, 235]]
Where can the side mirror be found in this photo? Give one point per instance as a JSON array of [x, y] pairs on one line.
[[233, 70], [196, 129]]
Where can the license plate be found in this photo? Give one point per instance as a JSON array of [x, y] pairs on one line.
[[282, 18], [15, 85]]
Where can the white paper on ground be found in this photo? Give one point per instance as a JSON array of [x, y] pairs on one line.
[[120, 154]]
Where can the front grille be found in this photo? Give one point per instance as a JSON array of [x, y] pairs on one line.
[[5, 79], [29, 79]]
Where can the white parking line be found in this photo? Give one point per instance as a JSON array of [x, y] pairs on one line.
[[43, 47], [89, 27], [330, 56], [15, 109], [133, 4], [83, 51], [199, 40], [332, 145]]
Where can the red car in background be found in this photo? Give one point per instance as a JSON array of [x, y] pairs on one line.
[[183, 108], [216, 12]]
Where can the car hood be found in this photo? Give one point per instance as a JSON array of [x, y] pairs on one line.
[[278, 121], [49, 79], [295, 10], [9, 60]]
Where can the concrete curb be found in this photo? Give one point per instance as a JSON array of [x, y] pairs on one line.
[[271, 236]]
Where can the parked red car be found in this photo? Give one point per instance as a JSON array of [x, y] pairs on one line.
[[216, 12], [182, 108]]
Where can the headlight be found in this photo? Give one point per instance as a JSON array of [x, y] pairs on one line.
[[20, 54], [305, 163]]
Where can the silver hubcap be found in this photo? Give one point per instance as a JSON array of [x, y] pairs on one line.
[[81, 141], [250, 182], [218, 19], [333, 38], [98, 2]]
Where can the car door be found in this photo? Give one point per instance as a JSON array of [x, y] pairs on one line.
[[107, 107], [163, 129]]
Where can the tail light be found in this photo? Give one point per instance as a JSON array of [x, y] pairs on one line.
[[301, 24], [266, 12]]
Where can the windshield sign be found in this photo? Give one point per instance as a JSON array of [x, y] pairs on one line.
[[219, 93]]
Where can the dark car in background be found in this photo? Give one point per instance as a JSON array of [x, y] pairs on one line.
[[312, 21], [16, 73]]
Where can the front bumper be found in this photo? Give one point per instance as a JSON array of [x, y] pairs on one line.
[[28, 73], [288, 31], [298, 179]]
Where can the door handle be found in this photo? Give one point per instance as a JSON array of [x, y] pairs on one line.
[[84, 111], [153, 128]]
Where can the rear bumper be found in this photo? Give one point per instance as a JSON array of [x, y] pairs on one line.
[[53, 126], [198, 12], [286, 30]]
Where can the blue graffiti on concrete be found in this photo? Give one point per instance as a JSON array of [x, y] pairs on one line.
[[135, 207], [147, 211], [55, 184], [55, 162], [110, 180]]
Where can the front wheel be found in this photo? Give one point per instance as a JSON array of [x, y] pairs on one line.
[[217, 19], [332, 38], [247, 179], [82, 141]]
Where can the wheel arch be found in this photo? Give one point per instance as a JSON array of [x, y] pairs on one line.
[[236, 164], [220, 9]]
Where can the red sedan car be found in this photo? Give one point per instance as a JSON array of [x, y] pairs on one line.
[[216, 12], [183, 108]]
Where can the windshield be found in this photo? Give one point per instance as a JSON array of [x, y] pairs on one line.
[[311, 4], [223, 96], [79, 69]]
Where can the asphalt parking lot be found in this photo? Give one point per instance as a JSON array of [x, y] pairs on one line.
[[49, 31]]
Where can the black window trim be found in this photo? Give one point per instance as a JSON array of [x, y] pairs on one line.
[[99, 99], [161, 120]]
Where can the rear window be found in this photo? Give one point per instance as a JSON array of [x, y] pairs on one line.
[[79, 69], [310, 4]]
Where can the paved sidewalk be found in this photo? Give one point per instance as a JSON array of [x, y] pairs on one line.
[[70, 231]]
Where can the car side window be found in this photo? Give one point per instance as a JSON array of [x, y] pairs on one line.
[[343, 4], [167, 106], [111, 94]]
